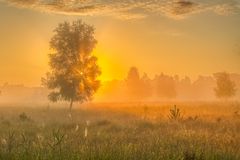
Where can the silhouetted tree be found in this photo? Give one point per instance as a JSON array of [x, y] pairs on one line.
[[225, 88], [184, 88], [146, 86], [73, 70], [137, 88], [203, 88], [133, 83], [165, 86], [133, 75]]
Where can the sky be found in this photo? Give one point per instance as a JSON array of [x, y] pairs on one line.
[[184, 37]]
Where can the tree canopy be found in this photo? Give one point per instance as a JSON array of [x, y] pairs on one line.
[[138, 88], [74, 72], [225, 88]]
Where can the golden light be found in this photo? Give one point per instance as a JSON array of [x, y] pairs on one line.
[[110, 68]]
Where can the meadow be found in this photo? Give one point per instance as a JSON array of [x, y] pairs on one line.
[[134, 131]]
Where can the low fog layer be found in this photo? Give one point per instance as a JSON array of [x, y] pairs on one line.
[[163, 87], [134, 88]]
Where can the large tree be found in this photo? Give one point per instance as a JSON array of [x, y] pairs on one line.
[[74, 72], [225, 88]]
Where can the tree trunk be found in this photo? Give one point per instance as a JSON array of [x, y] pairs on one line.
[[71, 104]]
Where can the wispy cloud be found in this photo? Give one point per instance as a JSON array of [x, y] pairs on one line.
[[176, 9], [225, 9], [131, 9]]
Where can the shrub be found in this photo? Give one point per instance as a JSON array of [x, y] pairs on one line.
[[175, 114], [23, 117]]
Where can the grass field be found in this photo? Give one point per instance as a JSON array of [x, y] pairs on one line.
[[201, 131]]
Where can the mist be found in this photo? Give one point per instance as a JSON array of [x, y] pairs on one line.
[[119, 80], [134, 88]]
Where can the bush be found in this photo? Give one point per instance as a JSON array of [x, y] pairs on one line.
[[175, 114], [23, 117]]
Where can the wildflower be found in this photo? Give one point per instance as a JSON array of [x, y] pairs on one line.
[[40, 137], [70, 116], [86, 132], [88, 122], [4, 141], [77, 127]]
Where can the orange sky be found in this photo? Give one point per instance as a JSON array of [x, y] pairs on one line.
[[196, 42]]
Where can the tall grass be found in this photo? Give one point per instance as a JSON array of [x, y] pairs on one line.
[[121, 133]]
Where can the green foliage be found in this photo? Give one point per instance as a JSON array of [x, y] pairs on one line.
[[175, 114], [74, 71]]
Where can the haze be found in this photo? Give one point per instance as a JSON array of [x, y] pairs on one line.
[[161, 83], [171, 37]]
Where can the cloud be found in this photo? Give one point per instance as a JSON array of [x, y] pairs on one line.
[[176, 9], [131, 9], [225, 9]]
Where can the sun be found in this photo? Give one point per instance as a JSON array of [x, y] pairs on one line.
[[110, 68]]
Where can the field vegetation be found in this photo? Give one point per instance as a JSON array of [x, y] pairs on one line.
[[163, 131]]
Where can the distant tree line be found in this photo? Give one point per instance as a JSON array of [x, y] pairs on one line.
[[134, 87], [165, 87], [225, 87]]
